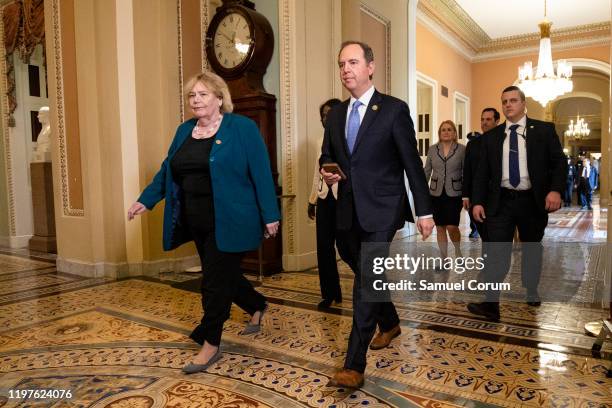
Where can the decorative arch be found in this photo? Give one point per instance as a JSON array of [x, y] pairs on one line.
[[579, 94], [591, 64]]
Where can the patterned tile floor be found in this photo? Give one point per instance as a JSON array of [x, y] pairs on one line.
[[122, 343]]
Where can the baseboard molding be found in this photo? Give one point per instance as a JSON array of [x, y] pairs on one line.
[[15, 242], [124, 269], [300, 262]]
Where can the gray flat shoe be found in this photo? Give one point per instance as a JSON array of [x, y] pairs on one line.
[[254, 328], [192, 368]]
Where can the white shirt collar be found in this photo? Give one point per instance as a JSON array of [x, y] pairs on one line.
[[364, 99], [522, 123]]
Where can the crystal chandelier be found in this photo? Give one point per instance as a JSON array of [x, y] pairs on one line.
[[545, 85], [579, 129]]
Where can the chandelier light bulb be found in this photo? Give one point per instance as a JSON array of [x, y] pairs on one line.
[[579, 129], [545, 85]]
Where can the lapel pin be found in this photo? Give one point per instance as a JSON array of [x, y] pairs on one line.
[[374, 107], [217, 141], [531, 127]]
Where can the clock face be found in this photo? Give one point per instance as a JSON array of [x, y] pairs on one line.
[[232, 40]]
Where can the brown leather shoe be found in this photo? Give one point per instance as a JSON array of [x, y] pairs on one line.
[[382, 339], [346, 378]]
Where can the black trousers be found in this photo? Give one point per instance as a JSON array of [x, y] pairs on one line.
[[329, 279], [585, 192], [517, 210], [366, 314], [569, 189], [222, 284]]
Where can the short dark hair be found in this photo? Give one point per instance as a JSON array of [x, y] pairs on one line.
[[368, 54], [515, 88], [495, 113], [330, 102]]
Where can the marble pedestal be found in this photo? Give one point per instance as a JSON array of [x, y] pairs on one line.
[[42, 204]]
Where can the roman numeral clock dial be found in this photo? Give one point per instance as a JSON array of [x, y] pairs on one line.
[[232, 41], [239, 45]]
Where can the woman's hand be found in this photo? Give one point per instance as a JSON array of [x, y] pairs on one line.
[[271, 229], [136, 209]]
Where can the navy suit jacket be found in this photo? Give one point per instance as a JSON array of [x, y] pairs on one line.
[[546, 164], [385, 148], [243, 190]]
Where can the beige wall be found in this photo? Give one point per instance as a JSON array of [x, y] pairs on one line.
[[158, 100], [309, 79], [442, 63], [376, 38], [129, 106]]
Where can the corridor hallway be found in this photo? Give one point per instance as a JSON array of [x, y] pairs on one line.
[[122, 344]]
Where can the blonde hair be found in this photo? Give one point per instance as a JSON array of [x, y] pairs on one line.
[[452, 124], [215, 84]]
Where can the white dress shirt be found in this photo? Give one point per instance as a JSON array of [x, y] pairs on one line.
[[586, 171], [525, 183], [365, 101]]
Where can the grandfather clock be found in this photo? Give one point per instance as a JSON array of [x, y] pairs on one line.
[[239, 46]]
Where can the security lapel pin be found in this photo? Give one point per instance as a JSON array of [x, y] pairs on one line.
[[374, 107], [217, 141]]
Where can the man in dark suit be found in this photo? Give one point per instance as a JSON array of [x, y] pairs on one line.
[[371, 137], [520, 180], [489, 118], [569, 183], [586, 184]]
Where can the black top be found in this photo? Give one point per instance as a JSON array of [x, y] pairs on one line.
[[190, 166], [191, 171]]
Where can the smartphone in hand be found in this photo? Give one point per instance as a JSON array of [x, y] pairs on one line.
[[335, 169]]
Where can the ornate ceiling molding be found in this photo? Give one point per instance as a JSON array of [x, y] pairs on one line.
[[450, 22], [453, 19]]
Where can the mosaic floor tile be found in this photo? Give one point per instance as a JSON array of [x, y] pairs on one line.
[[83, 328], [12, 264], [122, 343]]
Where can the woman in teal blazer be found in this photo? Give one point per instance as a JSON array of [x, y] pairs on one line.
[[218, 191]]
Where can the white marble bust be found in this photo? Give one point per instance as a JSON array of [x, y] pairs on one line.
[[42, 153]]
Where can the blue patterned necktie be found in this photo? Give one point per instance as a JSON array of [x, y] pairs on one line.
[[513, 158], [353, 126]]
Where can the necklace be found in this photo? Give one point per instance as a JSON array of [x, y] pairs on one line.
[[203, 132]]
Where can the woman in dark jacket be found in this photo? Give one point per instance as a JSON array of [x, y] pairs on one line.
[[444, 166], [218, 191]]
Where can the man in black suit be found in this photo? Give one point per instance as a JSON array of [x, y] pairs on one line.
[[489, 118], [371, 137], [570, 181], [520, 180]]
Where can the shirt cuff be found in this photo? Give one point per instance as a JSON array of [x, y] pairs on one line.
[[465, 198], [424, 216]]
